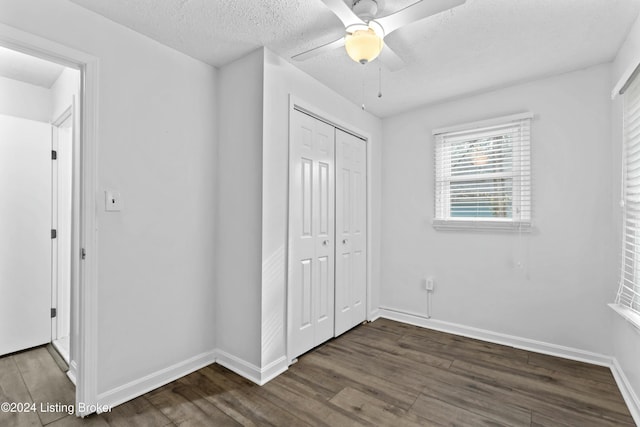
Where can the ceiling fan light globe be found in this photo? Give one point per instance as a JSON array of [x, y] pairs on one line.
[[363, 45], [377, 28]]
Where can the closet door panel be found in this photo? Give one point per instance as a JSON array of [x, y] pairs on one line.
[[351, 277], [311, 233]]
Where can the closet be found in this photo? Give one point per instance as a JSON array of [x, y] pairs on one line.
[[327, 232]]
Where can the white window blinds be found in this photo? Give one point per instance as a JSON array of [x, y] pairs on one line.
[[483, 174], [629, 292]]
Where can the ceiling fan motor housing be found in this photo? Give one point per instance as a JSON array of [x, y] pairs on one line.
[[365, 9]]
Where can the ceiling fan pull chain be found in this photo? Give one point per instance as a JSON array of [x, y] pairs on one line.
[[362, 78], [379, 82]]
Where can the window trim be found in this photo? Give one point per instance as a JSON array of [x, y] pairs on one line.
[[485, 224], [482, 224], [626, 313], [484, 123]]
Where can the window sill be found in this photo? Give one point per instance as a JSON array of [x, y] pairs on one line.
[[481, 225], [629, 315]]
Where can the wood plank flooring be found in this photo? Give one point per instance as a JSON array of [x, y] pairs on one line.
[[383, 374]]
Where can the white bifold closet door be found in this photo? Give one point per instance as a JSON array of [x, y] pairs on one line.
[[327, 232], [351, 236], [311, 245]]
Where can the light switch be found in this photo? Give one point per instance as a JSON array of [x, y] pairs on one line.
[[112, 201]]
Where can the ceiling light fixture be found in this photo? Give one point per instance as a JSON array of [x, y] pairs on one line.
[[359, 16], [364, 43]]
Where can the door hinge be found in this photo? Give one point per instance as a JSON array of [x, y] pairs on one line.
[[54, 234], [83, 253], [54, 312], [54, 155]]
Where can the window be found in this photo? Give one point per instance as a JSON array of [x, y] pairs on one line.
[[483, 175], [628, 297]]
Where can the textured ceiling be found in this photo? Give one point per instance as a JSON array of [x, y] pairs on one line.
[[481, 45], [25, 68]]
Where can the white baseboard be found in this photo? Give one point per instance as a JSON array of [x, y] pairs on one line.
[[157, 379], [273, 369], [71, 373], [497, 337], [629, 395], [374, 315], [154, 380], [250, 371]]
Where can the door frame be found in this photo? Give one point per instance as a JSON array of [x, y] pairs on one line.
[[55, 250], [296, 103], [85, 302]]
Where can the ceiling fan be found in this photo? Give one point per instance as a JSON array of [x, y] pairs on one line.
[[365, 32]]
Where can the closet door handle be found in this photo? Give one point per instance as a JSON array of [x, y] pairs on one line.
[[345, 241], [325, 242]]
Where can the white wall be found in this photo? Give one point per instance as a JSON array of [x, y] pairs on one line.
[[157, 146], [239, 208], [24, 100], [626, 338], [559, 295], [281, 80]]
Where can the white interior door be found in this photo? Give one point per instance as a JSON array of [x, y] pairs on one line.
[[25, 241], [311, 233], [62, 173], [351, 236]]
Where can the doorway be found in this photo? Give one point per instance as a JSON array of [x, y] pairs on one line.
[[84, 292], [36, 151], [327, 278]]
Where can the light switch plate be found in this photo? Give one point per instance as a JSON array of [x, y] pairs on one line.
[[112, 201]]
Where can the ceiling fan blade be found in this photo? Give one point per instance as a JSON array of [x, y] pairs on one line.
[[415, 12], [319, 50], [390, 60], [343, 12]]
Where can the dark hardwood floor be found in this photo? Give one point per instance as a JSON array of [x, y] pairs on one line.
[[381, 373]]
